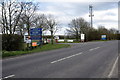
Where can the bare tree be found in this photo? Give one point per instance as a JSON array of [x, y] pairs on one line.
[[102, 30], [78, 26], [40, 21], [11, 11], [113, 31], [28, 15], [52, 24]]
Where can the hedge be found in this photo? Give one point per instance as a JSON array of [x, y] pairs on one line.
[[11, 42]]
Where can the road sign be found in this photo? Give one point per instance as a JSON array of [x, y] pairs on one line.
[[82, 36], [39, 37], [36, 34], [34, 43], [103, 37], [36, 31]]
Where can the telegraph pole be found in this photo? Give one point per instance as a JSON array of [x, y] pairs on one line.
[[91, 14]]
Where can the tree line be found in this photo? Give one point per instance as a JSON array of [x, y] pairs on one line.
[[81, 26], [21, 16]]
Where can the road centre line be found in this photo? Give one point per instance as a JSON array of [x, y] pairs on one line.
[[71, 56], [113, 68], [94, 48], [65, 58], [7, 77]]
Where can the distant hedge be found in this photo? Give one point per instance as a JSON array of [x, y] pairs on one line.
[[118, 36], [11, 42]]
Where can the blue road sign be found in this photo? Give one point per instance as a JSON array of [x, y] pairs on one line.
[[36, 33], [103, 37], [36, 37]]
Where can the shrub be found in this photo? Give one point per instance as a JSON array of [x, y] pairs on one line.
[[11, 42]]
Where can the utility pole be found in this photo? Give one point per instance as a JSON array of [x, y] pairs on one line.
[[91, 14]]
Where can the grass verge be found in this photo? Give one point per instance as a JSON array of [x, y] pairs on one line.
[[38, 49]]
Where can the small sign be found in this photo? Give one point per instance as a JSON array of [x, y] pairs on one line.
[[28, 41], [82, 36], [103, 37], [34, 43]]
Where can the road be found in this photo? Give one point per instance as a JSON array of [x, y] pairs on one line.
[[81, 60]]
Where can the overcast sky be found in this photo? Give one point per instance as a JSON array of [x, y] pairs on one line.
[[105, 13]]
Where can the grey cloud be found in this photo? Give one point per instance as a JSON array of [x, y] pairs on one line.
[[73, 9], [105, 21], [78, 8]]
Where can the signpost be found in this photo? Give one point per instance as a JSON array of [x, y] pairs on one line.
[[82, 37], [36, 34]]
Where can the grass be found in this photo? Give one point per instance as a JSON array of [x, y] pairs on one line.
[[38, 49]]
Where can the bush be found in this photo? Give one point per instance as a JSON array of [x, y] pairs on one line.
[[11, 42]]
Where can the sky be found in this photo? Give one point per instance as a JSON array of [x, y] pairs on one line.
[[105, 13]]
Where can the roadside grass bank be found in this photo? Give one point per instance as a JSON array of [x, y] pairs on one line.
[[38, 49]]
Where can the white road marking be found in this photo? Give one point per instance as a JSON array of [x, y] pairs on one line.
[[65, 58], [94, 49], [113, 68], [7, 77]]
